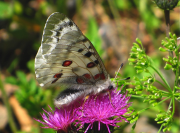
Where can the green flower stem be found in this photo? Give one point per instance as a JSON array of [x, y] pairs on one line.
[[167, 18], [152, 106], [160, 128], [160, 75], [116, 15], [135, 96], [162, 85], [173, 102], [177, 70], [169, 105], [5, 100]]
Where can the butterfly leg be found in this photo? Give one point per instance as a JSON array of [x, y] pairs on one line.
[[110, 98]]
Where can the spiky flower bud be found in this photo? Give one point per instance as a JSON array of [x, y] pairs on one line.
[[166, 4]]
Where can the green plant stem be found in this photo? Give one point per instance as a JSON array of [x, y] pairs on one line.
[[5, 100], [161, 84], [167, 19], [170, 105], [153, 106], [173, 102], [160, 75], [135, 96], [115, 14], [177, 69], [160, 128]]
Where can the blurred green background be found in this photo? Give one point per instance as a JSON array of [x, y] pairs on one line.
[[111, 25]]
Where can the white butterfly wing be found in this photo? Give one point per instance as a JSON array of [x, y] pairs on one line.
[[67, 57]]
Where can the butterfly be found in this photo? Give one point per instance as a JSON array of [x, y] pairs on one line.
[[66, 58]]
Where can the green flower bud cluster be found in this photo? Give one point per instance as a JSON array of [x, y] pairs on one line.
[[177, 94], [134, 115], [138, 58], [144, 87], [165, 119], [166, 4], [171, 46]]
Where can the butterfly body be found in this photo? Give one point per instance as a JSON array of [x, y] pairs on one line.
[[66, 58]]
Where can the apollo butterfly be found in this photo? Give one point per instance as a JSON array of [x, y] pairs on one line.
[[68, 59]]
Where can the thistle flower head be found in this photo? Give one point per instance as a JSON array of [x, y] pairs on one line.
[[60, 119], [97, 111], [101, 109]]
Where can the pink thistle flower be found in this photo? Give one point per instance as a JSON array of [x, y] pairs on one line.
[[60, 119], [101, 109]]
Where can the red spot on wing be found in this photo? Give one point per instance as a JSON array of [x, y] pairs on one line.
[[90, 64], [67, 63], [79, 80], [87, 76], [57, 75], [102, 76], [97, 76], [54, 80]]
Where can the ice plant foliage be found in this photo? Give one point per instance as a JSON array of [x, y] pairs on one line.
[[104, 109]]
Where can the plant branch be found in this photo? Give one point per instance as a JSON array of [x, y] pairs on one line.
[[151, 105], [161, 84], [160, 75], [167, 19], [5, 100]]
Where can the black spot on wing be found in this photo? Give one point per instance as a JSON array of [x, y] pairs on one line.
[[88, 54], [80, 50], [85, 40], [70, 23], [64, 25], [58, 33], [96, 61]]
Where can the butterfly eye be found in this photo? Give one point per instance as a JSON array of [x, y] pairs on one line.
[[110, 87]]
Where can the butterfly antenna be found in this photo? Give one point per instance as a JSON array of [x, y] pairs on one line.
[[118, 71]]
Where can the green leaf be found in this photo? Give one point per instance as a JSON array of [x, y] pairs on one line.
[[22, 77], [32, 86], [11, 80], [93, 36], [17, 7], [139, 41], [6, 10], [30, 65], [133, 127], [167, 66], [162, 49]]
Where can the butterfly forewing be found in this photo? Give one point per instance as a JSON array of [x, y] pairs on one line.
[[67, 57], [67, 52]]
